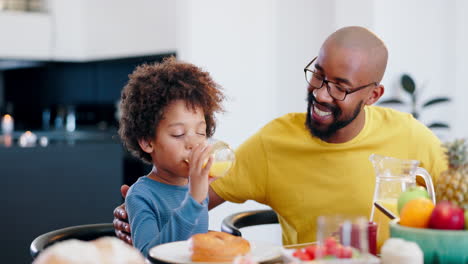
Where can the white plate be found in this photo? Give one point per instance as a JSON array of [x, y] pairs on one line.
[[178, 252]]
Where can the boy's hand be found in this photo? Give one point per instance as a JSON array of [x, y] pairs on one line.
[[122, 228], [198, 171]]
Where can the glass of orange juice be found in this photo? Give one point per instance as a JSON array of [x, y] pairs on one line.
[[223, 158]]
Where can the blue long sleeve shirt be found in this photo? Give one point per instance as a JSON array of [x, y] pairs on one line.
[[159, 213]]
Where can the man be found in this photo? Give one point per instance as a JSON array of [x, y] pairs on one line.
[[308, 164]]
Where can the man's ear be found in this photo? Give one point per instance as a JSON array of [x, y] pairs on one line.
[[375, 94], [145, 145]]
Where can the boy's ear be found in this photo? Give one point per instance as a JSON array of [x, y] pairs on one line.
[[145, 145], [376, 93]]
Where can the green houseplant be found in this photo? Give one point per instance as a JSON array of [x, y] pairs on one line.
[[409, 86]]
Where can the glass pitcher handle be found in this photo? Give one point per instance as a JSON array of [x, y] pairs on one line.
[[428, 180]]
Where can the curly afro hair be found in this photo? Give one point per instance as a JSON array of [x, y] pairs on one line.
[[152, 87]]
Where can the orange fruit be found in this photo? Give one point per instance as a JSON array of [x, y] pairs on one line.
[[416, 213]]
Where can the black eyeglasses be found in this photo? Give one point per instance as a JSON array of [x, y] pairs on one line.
[[339, 93]]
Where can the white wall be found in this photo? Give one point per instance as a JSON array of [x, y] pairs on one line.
[[300, 26], [354, 13], [459, 71], [257, 49], [232, 40], [421, 39]]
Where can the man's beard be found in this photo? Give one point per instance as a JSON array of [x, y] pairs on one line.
[[336, 112]]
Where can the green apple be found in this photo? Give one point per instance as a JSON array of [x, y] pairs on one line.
[[466, 219], [410, 194]]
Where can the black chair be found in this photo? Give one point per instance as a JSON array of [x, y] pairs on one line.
[[234, 222], [81, 232]]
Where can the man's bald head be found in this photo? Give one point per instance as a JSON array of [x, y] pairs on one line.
[[364, 43]]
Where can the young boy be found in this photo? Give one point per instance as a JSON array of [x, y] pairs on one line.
[[167, 115]]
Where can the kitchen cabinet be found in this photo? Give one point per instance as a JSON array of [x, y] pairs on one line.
[[94, 30], [89, 30], [25, 35], [91, 88], [47, 188]]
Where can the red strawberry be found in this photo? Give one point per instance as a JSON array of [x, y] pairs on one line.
[[301, 254], [311, 250], [346, 252], [330, 241], [320, 252], [331, 250]]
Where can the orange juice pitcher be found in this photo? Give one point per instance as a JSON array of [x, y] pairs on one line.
[[393, 176]]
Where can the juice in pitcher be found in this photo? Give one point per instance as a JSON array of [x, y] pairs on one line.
[[383, 231], [392, 177]]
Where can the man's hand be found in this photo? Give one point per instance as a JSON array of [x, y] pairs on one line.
[[121, 225]]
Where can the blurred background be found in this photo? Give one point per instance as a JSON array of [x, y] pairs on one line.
[[63, 64]]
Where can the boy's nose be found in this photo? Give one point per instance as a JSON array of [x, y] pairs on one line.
[[189, 145], [192, 142]]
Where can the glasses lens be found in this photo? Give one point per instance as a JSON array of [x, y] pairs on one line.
[[314, 79], [336, 92]]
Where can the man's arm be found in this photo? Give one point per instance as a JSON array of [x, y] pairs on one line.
[[215, 199]]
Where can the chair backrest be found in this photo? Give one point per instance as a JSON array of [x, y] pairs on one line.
[[81, 232], [234, 222]]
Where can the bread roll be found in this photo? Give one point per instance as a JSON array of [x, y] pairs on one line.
[[217, 247]]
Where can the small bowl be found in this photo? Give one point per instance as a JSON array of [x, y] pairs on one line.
[[439, 246]]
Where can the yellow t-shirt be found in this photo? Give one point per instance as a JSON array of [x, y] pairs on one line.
[[302, 177]]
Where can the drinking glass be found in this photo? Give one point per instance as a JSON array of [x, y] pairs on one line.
[[223, 158], [345, 236]]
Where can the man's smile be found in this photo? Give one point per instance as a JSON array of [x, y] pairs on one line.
[[321, 113]]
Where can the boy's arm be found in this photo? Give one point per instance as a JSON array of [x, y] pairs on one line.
[[122, 228], [147, 229]]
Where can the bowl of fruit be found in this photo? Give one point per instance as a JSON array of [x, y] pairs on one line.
[[440, 231]]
